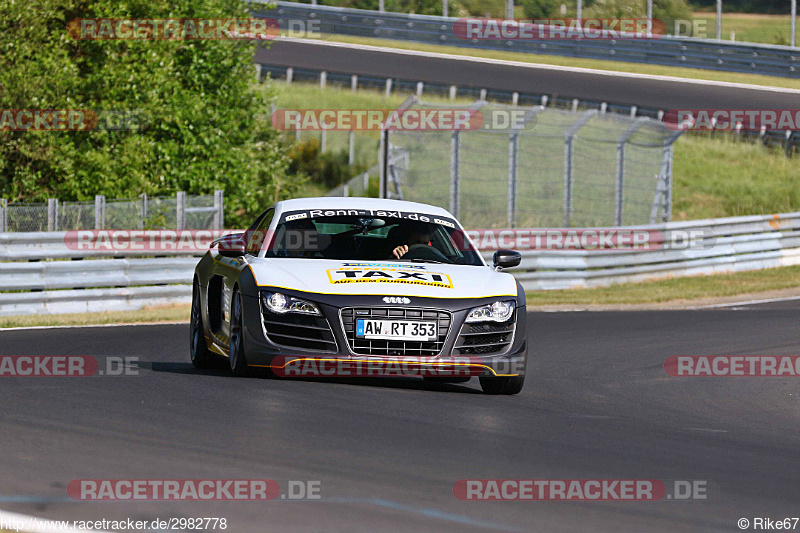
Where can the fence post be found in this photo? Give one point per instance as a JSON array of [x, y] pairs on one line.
[[3, 215], [289, 75], [420, 86], [513, 157], [52, 214], [219, 209], [143, 221], [180, 208], [323, 140], [351, 148], [569, 154], [354, 83], [388, 87], [455, 147], [619, 188], [99, 211], [323, 79], [258, 73]]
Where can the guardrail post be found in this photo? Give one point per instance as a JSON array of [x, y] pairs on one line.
[[351, 147], [354, 83], [445, 10], [420, 85], [323, 79], [289, 75], [219, 209], [453, 90], [3, 215], [513, 158], [52, 214], [346, 190], [143, 221], [258, 72], [180, 210], [515, 98], [388, 87], [455, 178], [323, 140], [794, 23]]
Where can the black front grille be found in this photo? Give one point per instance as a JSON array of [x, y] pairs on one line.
[[307, 332], [485, 338], [383, 347]]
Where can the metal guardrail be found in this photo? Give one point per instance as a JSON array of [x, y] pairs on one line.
[[708, 54], [727, 245]]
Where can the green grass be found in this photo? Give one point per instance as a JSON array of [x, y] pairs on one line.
[[748, 27], [615, 66], [171, 313], [674, 289], [720, 176]]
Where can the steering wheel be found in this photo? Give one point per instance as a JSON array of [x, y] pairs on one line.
[[423, 251]]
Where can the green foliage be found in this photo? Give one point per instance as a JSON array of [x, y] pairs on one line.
[[541, 9], [329, 169], [203, 128]]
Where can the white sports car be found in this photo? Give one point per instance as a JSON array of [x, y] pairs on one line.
[[360, 280]]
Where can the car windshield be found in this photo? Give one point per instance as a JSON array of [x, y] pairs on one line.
[[372, 235]]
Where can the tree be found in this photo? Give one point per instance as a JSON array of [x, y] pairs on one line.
[[204, 125]]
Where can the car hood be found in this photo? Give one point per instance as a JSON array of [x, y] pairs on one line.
[[383, 278]]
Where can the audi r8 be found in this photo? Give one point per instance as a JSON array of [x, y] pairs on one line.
[[360, 280]]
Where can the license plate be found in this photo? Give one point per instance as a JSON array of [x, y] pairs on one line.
[[399, 330]]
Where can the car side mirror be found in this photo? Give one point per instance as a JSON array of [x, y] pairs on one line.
[[506, 258], [231, 245]]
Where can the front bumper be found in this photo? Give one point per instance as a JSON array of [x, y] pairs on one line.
[[340, 358]]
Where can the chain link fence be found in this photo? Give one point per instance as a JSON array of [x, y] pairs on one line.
[[553, 168], [181, 211]]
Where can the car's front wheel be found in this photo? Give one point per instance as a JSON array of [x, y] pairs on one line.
[[198, 349], [502, 385], [238, 359]]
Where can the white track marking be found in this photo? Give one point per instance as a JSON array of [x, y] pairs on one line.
[[34, 524], [96, 325], [751, 302], [539, 66]]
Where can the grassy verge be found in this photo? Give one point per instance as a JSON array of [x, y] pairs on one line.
[[172, 313], [675, 289], [747, 27], [615, 66]]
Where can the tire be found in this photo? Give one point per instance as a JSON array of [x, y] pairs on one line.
[[237, 358], [198, 349], [504, 385]]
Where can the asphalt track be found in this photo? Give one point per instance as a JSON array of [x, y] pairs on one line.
[[597, 405], [616, 88]]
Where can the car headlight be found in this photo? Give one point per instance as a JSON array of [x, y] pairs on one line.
[[496, 312], [281, 303]]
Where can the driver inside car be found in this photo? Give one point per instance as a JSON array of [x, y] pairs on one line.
[[417, 234]]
